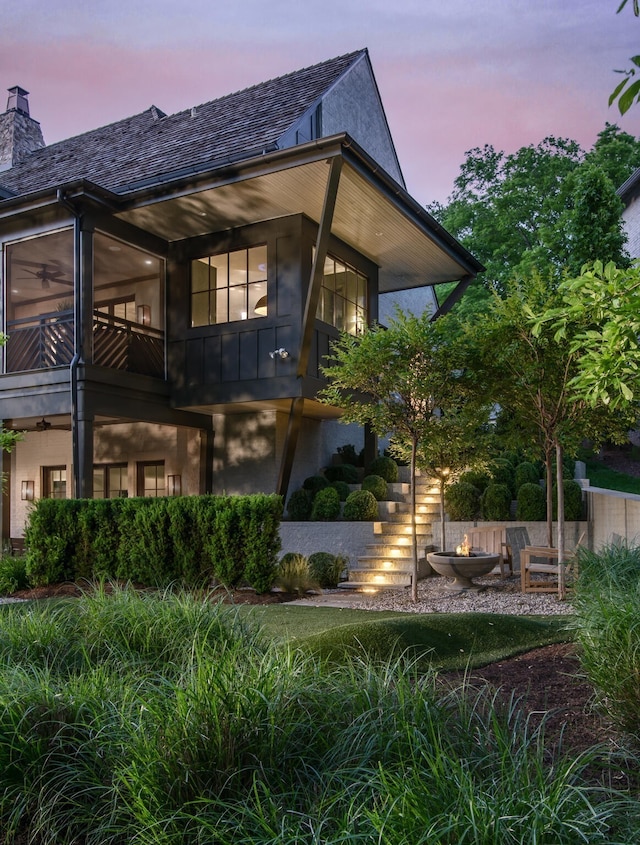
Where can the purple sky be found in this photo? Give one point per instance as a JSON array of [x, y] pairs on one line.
[[453, 74]]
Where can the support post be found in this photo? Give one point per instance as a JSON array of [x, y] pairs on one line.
[[290, 443], [206, 460]]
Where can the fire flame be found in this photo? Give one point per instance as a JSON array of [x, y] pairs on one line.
[[464, 548]]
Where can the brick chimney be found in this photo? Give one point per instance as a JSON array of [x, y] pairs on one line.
[[20, 134]]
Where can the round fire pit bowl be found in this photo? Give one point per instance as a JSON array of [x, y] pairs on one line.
[[462, 568]]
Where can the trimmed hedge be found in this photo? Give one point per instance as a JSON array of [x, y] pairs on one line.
[[496, 502], [572, 500], [532, 503], [156, 542], [344, 472], [326, 569], [385, 467], [526, 473], [462, 501], [326, 505], [377, 485], [299, 505], [361, 506]]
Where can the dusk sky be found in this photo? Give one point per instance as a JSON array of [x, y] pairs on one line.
[[453, 74]]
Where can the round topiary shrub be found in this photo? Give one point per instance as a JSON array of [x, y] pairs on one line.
[[572, 500], [326, 505], [361, 506], [532, 503], [462, 501], [496, 503], [326, 569], [478, 478], [315, 483], [343, 489], [526, 473], [502, 473], [345, 472], [376, 485], [299, 505], [385, 467]]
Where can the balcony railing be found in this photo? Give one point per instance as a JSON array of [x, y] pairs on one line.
[[37, 343]]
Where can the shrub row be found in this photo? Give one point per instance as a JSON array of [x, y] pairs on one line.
[[187, 540], [465, 502]]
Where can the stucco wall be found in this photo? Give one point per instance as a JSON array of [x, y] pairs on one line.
[[631, 224], [339, 538], [615, 516]]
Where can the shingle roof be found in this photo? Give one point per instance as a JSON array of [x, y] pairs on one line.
[[151, 144]]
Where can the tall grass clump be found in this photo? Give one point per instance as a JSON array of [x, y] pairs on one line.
[[204, 731], [607, 605]]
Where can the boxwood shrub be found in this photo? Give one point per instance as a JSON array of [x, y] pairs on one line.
[[326, 505], [299, 505], [525, 473], [343, 489], [572, 500], [462, 501], [532, 503], [478, 478], [361, 506], [345, 472], [502, 472], [385, 467], [377, 485], [314, 483], [496, 502]]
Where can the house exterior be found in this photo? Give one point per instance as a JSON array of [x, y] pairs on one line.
[[171, 285], [629, 193]]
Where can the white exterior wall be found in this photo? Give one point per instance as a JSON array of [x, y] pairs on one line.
[[128, 443], [631, 225]]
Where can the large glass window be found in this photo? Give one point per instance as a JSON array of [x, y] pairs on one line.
[[343, 297], [151, 478], [110, 481], [227, 287]]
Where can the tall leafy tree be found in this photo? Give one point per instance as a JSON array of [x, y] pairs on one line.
[[529, 369], [409, 381], [548, 207]]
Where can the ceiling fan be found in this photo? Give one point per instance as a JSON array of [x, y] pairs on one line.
[[47, 275]]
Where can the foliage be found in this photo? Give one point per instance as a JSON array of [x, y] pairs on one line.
[[314, 483], [462, 501], [627, 92], [326, 569], [548, 206], [479, 478], [525, 473], [133, 718], [343, 489], [350, 456], [343, 472], [293, 574], [607, 605], [376, 485], [361, 506], [299, 505], [610, 479], [410, 381], [326, 505], [532, 503], [13, 574], [572, 500], [603, 302], [385, 467], [155, 541], [495, 502], [502, 472]]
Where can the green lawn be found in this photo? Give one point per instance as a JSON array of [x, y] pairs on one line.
[[611, 479]]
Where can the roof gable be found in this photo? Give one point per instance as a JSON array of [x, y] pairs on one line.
[[149, 145]]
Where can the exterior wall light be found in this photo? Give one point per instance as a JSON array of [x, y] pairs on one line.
[[279, 353], [27, 491]]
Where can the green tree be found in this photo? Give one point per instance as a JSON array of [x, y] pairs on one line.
[[529, 368], [546, 207], [408, 381], [604, 301], [627, 92]]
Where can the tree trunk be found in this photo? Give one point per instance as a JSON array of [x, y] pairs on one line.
[[560, 485], [548, 468], [414, 532]]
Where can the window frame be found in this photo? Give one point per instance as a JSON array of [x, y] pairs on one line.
[[48, 482], [341, 304], [217, 295], [104, 468], [141, 489]]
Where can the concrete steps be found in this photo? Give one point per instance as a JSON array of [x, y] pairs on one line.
[[387, 563]]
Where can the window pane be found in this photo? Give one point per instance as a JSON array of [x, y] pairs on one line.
[[257, 264], [200, 309], [222, 309], [117, 482], [352, 285], [238, 303], [238, 267], [343, 297], [339, 318], [98, 483], [258, 299], [219, 273], [341, 279], [200, 274]]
